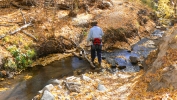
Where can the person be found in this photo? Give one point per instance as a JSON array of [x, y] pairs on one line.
[[95, 36]]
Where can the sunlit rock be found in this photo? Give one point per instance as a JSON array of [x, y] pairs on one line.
[[47, 87], [86, 78], [101, 87], [47, 96]]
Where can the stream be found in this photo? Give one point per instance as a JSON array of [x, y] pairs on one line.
[[21, 89]]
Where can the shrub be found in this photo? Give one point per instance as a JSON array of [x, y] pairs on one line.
[[164, 10], [10, 64], [22, 59]]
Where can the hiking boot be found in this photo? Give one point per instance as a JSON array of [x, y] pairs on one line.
[[99, 65]]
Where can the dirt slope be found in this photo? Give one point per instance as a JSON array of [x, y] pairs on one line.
[[159, 80]]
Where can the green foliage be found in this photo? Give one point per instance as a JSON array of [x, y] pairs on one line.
[[30, 53], [84, 31], [13, 50], [22, 59]]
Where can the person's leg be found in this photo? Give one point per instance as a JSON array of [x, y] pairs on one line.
[[99, 55], [92, 54]]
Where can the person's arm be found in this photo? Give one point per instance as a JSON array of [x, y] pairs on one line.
[[89, 37], [102, 32]]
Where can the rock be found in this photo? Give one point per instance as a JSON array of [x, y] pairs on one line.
[[86, 78], [3, 73], [54, 82], [1, 61], [133, 60], [105, 5], [36, 97], [112, 62], [101, 87], [103, 57], [113, 70], [47, 96], [47, 87], [161, 28], [157, 33], [140, 65], [10, 75]]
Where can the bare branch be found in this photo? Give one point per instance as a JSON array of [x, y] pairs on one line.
[[19, 29], [30, 35], [23, 16]]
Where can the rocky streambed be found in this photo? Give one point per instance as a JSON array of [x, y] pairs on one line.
[[72, 77]]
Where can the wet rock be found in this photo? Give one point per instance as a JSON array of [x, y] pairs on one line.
[[54, 82], [121, 67], [47, 87], [157, 33], [47, 96], [112, 62], [133, 60], [103, 57], [101, 87], [140, 66]]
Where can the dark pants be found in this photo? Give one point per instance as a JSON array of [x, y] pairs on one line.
[[95, 51]]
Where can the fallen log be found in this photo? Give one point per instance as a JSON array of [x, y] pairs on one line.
[[84, 54], [17, 30], [19, 6]]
